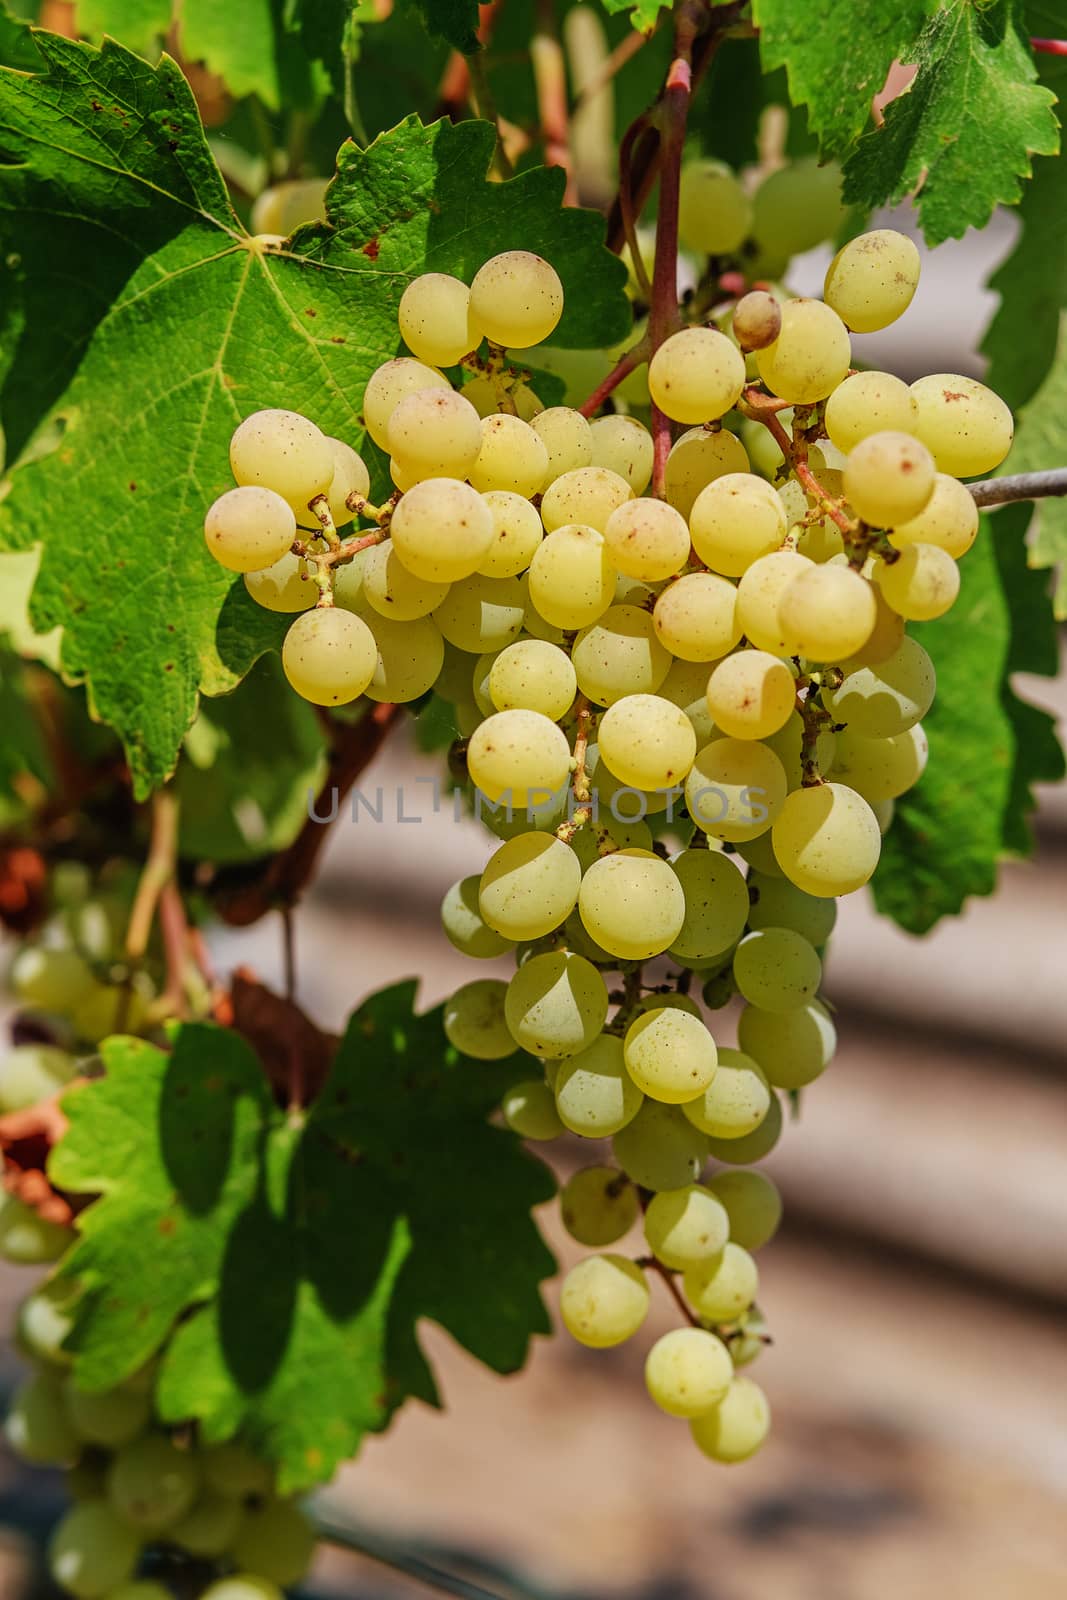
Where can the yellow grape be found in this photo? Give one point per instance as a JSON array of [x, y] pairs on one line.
[[695, 617], [697, 458], [647, 539], [949, 519], [866, 403], [828, 612], [921, 584], [826, 839], [872, 279], [810, 356], [647, 742], [751, 694], [571, 580], [625, 446], [435, 321], [735, 789], [517, 532], [619, 655], [735, 520], [696, 375], [889, 477], [517, 298], [966, 427]]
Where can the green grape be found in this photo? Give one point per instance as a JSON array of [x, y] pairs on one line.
[[286, 585], [695, 617], [348, 585], [788, 746], [435, 433], [585, 498], [647, 539], [275, 1541], [234, 1470], [464, 925], [152, 1484], [759, 597], [110, 1418], [670, 1055], [33, 1072], [632, 904], [745, 1149], [751, 1340], [751, 694], [92, 1551], [486, 395], [687, 1372], [520, 755], [697, 458], [889, 478], [517, 532], [735, 520], [619, 655], [26, 1239], [543, 812], [598, 1205], [949, 520], [409, 660], [556, 1004], [605, 834], [866, 403], [887, 633], [737, 1427], [390, 384], [571, 581], [529, 886], [533, 675], [752, 1203], [442, 530], [210, 1528], [38, 1428], [796, 208], [604, 1301], [475, 1022], [392, 591], [716, 904], [966, 427], [714, 212], [736, 789], [595, 1096], [512, 457], [757, 320], [350, 476], [686, 1227], [686, 686], [810, 356], [660, 1149], [828, 612], [886, 700], [872, 279], [647, 742], [777, 903], [482, 614], [517, 298], [696, 375], [881, 769], [721, 1290], [329, 656], [735, 1102], [826, 839], [793, 1047], [530, 1110], [283, 451], [625, 446], [921, 584], [249, 528], [282, 208], [242, 1586], [434, 317], [567, 437], [45, 1321], [776, 969]]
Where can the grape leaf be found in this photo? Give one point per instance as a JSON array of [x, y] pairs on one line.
[[179, 308], [17, 48], [646, 13], [838, 62], [1039, 444], [965, 130], [987, 747], [454, 21], [23, 750], [297, 1254]]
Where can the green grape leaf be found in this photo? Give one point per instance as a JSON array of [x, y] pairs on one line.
[[23, 750], [646, 13], [987, 746], [202, 325], [281, 1262], [1039, 445], [17, 48], [838, 62], [966, 129], [454, 21]]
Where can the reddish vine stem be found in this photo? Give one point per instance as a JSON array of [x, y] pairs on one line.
[[1050, 47], [673, 1290], [174, 930], [619, 372], [764, 410]]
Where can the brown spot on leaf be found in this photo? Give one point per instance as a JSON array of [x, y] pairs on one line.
[[371, 249]]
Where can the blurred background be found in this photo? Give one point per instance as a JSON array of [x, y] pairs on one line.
[[917, 1293]]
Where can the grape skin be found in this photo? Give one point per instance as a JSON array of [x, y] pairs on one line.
[[777, 903], [659, 1149], [826, 839], [670, 1055], [757, 320], [598, 1205], [567, 438], [810, 356], [625, 446], [828, 612], [716, 904], [512, 457], [751, 694], [249, 528], [329, 656], [585, 497], [435, 433], [556, 1004], [517, 298], [632, 904], [388, 385], [529, 886], [697, 458], [949, 519], [518, 755], [759, 596], [392, 590], [517, 532], [92, 1551], [283, 451], [530, 1111], [482, 614], [880, 701], [409, 660], [152, 1483], [687, 1372], [442, 530], [796, 208], [866, 403], [435, 320], [686, 1227], [735, 789], [735, 520], [533, 675], [921, 584], [736, 1428], [735, 1102], [604, 1301], [872, 280], [571, 582], [595, 1095], [465, 927], [792, 1047], [285, 586], [889, 478], [475, 1021], [696, 375], [714, 212], [619, 655], [647, 742], [966, 427], [647, 539]]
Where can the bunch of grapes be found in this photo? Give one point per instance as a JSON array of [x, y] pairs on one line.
[[145, 1500], [686, 714]]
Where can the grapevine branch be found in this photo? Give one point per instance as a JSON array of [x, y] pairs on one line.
[[158, 871], [619, 372], [1020, 486]]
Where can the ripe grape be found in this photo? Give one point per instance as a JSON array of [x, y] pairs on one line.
[[409, 660], [33, 1072], [735, 1102], [232, 1469], [828, 612], [735, 789], [286, 585], [571, 581], [889, 477], [512, 457], [329, 656], [517, 532], [350, 476], [966, 427], [112, 1418], [796, 208], [465, 926], [284, 207], [685, 686], [586, 497], [482, 614], [632, 904], [793, 1047], [619, 655], [716, 905], [670, 1054], [595, 1095], [751, 1147], [722, 1289], [435, 433], [686, 1227], [442, 530], [520, 755], [872, 279], [242, 1586], [625, 446], [880, 701], [695, 618], [826, 839], [556, 1004], [688, 1371], [568, 439], [696, 375], [757, 320], [529, 1110], [866, 403], [737, 1426], [921, 584], [517, 299], [26, 1238], [390, 384], [752, 1203], [475, 1022], [714, 212], [810, 356], [759, 596], [603, 1301], [435, 320], [881, 769], [392, 590], [751, 694], [283, 451], [647, 539], [92, 1551], [38, 1426], [949, 520], [533, 675], [597, 1204], [659, 1149], [735, 520], [249, 528], [777, 969], [697, 458], [209, 1529], [777, 903], [646, 742], [152, 1484]]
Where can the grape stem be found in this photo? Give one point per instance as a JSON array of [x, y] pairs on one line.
[[1050, 47], [1020, 486], [159, 868], [650, 1263], [580, 782], [621, 370], [550, 82]]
